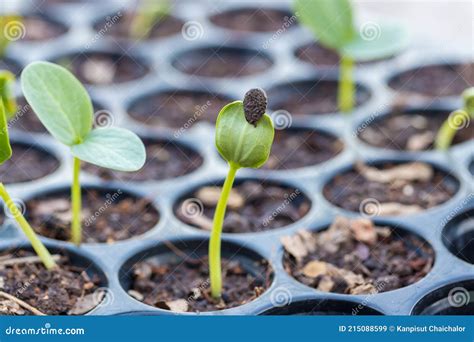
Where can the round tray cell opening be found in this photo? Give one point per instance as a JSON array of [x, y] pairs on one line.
[[310, 97], [165, 159], [295, 148], [28, 163], [458, 236], [40, 28], [435, 80], [104, 68], [408, 130], [173, 276], [452, 299], [222, 62], [108, 214], [355, 256], [178, 109], [76, 288], [254, 20], [321, 307], [390, 188], [254, 205]]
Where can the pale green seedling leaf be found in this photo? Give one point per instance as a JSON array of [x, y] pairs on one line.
[[240, 143], [60, 101], [376, 41], [5, 148], [331, 21], [113, 148]]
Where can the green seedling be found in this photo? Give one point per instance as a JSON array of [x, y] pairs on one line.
[[456, 121], [10, 30], [5, 154], [244, 136], [64, 107], [332, 22], [7, 80], [148, 14]]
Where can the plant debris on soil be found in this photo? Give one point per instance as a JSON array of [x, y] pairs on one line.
[[254, 20], [66, 290], [435, 80], [293, 149], [178, 109], [252, 207], [391, 189], [310, 97], [38, 28], [164, 26], [164, 160], [183, 285], [353, 256], [222, 62], [99, 68], [108, 215], [410, 131], [26, 164]]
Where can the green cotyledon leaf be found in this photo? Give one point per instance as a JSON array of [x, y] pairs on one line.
[[113, 148], [60, 101], [5, 148], [240, 143]]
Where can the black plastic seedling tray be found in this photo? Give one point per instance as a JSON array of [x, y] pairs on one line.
[[286, 295]]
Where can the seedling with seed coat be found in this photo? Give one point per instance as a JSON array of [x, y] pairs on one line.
[[332, 22], [244, 137], [9, 203], [64, 107]]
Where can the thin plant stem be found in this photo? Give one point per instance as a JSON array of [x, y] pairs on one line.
[[449, 129], [215, 272], [38, 246], [346, 91], [76, 230]]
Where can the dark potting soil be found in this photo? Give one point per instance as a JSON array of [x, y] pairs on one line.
[[164, 160], [320, 56], [310, 97], [183, 286], [435, 80], [222, 62], [100, 68], [26, 164], [119, 26], [412, 131], [107, 215], [253, 19], [178, 109], [252, 207], [354, 190], [357, 257], [293, 149], [38, 28], [67, 290]]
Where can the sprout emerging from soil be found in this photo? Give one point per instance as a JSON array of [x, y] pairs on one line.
[[65, 109], [332, 22], [457, 120], [9, 203], [148, 14], [7, 79], [244, 137]]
